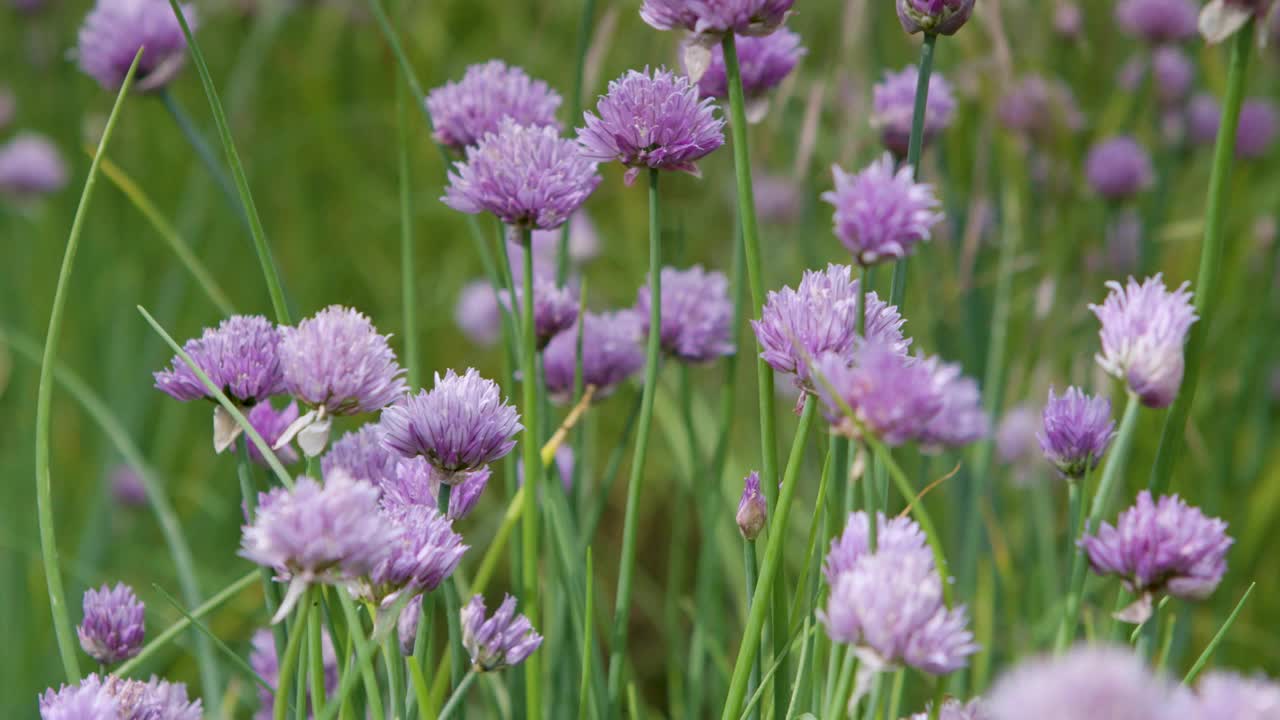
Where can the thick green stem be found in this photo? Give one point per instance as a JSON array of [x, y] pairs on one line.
[[1206, 288], [773, 557], [627, 563], [898, 289], [455, 700], [288, 663], [749, 567], [44, 404], [1074, 560], [532, 475]]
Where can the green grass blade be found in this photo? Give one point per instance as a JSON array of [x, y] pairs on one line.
[[1217, 639], [584, 698], [164, 638], [232, 655]]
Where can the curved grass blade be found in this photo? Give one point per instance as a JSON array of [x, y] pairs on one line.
[[178, 627], [1217, 639]]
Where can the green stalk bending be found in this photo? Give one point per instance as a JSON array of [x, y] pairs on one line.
[[532, 475], [772, 563], [898, 289], [627, 563], [1206, 288], [44, 404]]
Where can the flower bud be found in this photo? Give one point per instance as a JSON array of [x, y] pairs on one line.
[[934, 17], [751, 508]]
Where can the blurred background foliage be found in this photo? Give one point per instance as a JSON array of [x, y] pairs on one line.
[[312, 104]]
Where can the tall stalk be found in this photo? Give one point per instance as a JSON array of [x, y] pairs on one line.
[[898, 288], [408, 274], [1206, 288], [627, 564], [44, 402], [532, 476]]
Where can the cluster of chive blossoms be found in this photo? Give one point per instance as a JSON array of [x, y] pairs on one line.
[[114, 698]]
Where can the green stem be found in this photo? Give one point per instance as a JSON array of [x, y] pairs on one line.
[[895, 693], [395, 674], [408, 271], [873, 697], [898, 288], [44, 403], [627, 563], [749, 566], [315, 652], [455, 700], [584, 684], [284, 680], [773, 557], [1075, 561], [1206, 288], [532, 475]]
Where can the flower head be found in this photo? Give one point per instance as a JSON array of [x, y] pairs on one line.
[[114, 31], [611, 353], [529, 177], [1203, 117], [893, 105], [1161, 547], [271, 424], [820, 316], [716, 17], [264, 661], [1016, 435], [501, 641], [114, 698], [241, 356], [881, 212], [1223, 695], [697, 314], [654, 120], [764, 62], [416, 481], [940, 17], [954, 709], [336, 359], [1086, 683], [899, 535], [423, 552], [30, 165], [465, 111], [1144, 329], [1158, 21], [127, 488], [460, 425], [86, 701], [113, 624], [752, 510], [1077, 431], [891, 395], [360, 455], [555, 307], [1118, 168], [1173, 72], [962, 419], [478, 314], [1256, 131]]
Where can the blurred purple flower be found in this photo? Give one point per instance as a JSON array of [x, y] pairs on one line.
[[584, 242], [1016, 434], [716, 17], [30, 166], [127, 488], [892, 396], [882, 212], [416, 482], [1118, 168], [1087, 683], [113, 625], [962, 419], [778, 198], [752, 509], [478, 314], [1077, 431], [697, 314], [1224, 695], [8, 106], [1068, 20], [1158, 21], [1144, 330], [938, 17], [764, 63], [954, 709], [241, 356], [555, 307], [114, 31], [1203, 118], [893, 105], [263, 660], [1173, 72], [463, 112], [611, 353], [423, 551], [1257, 128], [501, 641]]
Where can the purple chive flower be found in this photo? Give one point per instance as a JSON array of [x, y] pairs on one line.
[[1161, 547], [114, 30], [962, 419], [127, 488], [1174, 74], [271, 424], [241, 356], [416, 482], [423, 552], [697, 314], [1158, 21], [1077, 430], [899, 535], [478, 314], [463, 112], [820, 316], [954, 709], [360, 455], [1223, 695], [654, 120], [764, 61], [1118, 168], [113, 624], [113, 698], [407, 626], [555, 307], [1203, 118], [752, 510], [890, 605], [1087, 683], [1257, 128], [30, 166], [336, 360], [1068, 20], [611, 353], [893, 105], [747, 17], [263, 660], [460, 425], [1144, 329], [938, 17], [892, 396], [778, 198], [501, 641], [318, 534], [881, 212], [1016, 436], [530, 177]]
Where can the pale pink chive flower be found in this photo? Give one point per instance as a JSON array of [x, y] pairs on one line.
[[31, 166], [361, 456], [1086, 683], [1077, 431], [938, 17], [500, 641], [1158, 21], [1016, 435], [1163, 547], [764, 62], [1144, 330], [465, 111], [882, 212], [460, 425], [1225, 695], [697, 314], [893, 535], [271, 424], [529, 177], [893, 105], [114, 31], [962, 419], [113, 625], [555, 307], [1118, 168], [752, 509], [241, 357], [127, 488], [478, 314], [954, 709], [611, 354], [86, 701], [423, 551], [417, 482], [114, 698], [716, 17], [316, 534], [263, 660], [651, 119], [1256, 131], [893, 397]]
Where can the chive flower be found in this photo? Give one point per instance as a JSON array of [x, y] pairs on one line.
[[1225, 695], [1078, 429], [500, 641], [882, 212], [1088, 682], [271, 424], [463, 112], [241, 357], [415, 481], [716, 18], [697, 314], [900, 535], [953, 709], [935, 17], [31, 166], [555, 307], [893, 102], [611, 353], [126, 487], [892, 396], [114, 31], [763, 61], [423, 551], [478, 314], [1118, 168], [1157, 21], [752, 510], [360, 455], [1173, 72], [1144, 330], [962, 419], [114, 698], [113, 625], [1256, 132]]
